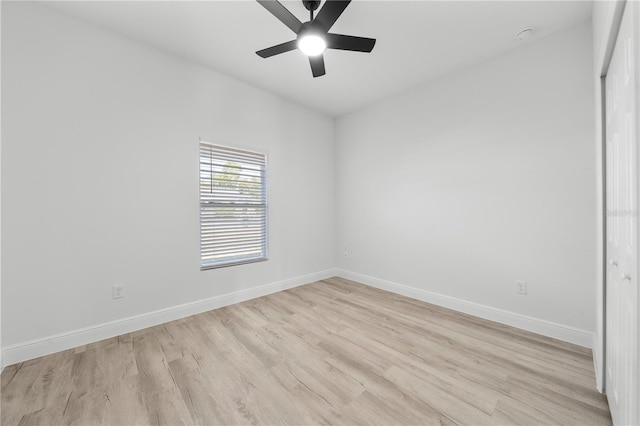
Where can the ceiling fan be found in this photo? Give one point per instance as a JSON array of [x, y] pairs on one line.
[[313, 37]]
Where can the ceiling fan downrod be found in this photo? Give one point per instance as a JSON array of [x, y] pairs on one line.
[[311, 5]]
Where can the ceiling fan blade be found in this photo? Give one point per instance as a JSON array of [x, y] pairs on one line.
[[276, 50], [317, 65], [330, 12], [347, 42], [282, 13]]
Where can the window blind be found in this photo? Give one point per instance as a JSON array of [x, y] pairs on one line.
[[233, 206]]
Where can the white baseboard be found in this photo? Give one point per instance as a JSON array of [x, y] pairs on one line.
[[535, 325], [48, 345]]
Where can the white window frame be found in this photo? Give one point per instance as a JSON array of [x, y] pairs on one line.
[[233, 216]]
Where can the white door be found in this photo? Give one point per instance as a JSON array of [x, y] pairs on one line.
[[622, 226]]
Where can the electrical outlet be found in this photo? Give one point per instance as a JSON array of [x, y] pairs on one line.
[[521, 287], [118, 291], [346, 254]]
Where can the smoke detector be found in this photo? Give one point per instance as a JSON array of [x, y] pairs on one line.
[[524, 34]]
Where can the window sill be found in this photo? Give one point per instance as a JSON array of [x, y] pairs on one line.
[[240, 262]]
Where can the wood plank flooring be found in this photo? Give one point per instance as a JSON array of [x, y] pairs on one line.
[[331, 352]]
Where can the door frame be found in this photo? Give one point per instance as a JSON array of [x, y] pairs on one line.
[[600, 339]]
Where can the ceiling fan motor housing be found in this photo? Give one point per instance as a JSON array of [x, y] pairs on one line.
[[309, 28]]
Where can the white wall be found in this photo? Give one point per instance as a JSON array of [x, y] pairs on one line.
[[469, 183], [460, 187], [100, 181], [605, 21], [1, 364]]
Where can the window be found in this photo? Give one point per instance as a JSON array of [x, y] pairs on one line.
[[233, 206]]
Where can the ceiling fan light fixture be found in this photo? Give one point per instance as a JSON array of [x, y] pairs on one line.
[[312, 44]]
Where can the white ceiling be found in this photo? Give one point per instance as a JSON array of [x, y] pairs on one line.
[[416, 40]]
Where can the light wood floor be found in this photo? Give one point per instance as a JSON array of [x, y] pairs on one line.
[[331, 352]]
